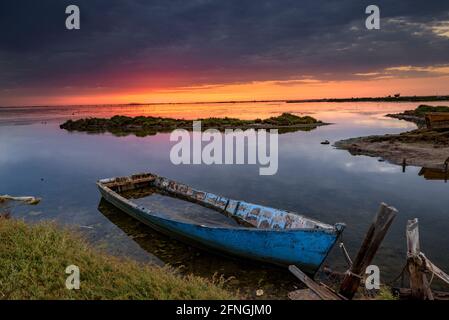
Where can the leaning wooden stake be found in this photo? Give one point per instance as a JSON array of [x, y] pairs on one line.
[[370, 245], [419, 285]]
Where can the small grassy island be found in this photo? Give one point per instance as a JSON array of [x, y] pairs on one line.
[[422, 147], [33, 260], [144, 126]]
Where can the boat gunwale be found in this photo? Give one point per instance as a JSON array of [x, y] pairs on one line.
[[336, 229]]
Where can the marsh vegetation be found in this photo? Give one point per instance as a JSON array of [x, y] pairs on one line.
[[145, 126]]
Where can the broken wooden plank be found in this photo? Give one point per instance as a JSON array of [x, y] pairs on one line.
[[440, 274], [322, 292], [418, 291], [370, 245]]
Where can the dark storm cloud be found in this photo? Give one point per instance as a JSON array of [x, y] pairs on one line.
[[211, 41]]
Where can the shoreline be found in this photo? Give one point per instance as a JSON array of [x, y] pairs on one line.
[[423, 147], [396, 148]]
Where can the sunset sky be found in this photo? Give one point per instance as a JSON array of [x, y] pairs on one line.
[[144, 51]]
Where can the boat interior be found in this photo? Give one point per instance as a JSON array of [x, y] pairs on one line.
[[180, 202]]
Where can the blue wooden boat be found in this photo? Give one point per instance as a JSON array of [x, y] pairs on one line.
[[265, 234]]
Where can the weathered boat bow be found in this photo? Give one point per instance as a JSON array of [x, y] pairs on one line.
[[265, 234]]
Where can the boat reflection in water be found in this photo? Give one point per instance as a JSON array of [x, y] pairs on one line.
[[434, 174], [243, 275]]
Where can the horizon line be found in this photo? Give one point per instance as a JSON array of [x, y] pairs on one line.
[[389, 98]]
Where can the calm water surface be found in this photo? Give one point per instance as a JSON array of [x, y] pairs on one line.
[[37, 158]]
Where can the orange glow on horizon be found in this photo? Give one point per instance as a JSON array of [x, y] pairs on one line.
[[263, 90]]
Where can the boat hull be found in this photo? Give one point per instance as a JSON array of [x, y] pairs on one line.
[[306, 249]]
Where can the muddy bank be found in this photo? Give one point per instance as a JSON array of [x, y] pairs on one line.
[[144, 126], [422, 147]]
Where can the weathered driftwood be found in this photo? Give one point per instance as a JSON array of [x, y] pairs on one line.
[[27, 200], [418, 264], [419, 285], [320, 290], [370, 245], [418, 281]]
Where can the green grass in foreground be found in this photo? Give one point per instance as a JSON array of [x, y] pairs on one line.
[[385, 294], [33, 259]]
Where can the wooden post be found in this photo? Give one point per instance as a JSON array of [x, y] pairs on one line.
[[418, 281], [370, 245], [417, 265]]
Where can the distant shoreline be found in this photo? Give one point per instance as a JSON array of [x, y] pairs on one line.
[[336, 100], [422, 147], [377, 99], [419, 148]]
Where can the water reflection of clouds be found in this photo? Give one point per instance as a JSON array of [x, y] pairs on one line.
[[371, 166], [330, 185], [303, 150], [385, 123], [11, 146]]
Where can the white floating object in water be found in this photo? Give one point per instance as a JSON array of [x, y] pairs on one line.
[[27, 200]]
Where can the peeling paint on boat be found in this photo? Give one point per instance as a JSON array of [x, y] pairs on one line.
[[267, 234]]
